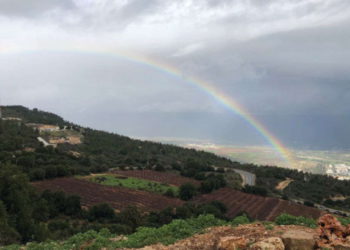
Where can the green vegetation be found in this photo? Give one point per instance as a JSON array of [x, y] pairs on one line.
[[269, 225], [187, 191], [287, 219], [99, 151], [338, 204], [240, 220], [134, 183], [344, 220], [167, 234], [255, 190], [27, 216], [312, 188]]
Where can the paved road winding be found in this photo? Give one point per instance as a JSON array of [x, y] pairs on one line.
[[247, 177]]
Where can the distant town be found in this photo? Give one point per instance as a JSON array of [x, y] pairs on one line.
[[342, 171]]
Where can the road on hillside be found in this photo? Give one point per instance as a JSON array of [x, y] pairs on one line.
[[248, 178]]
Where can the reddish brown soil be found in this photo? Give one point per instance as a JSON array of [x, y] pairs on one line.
[[257, 207], [162, 177], [117, 197]]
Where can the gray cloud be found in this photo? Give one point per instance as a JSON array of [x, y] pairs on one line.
[[286, 62], [30, 8]]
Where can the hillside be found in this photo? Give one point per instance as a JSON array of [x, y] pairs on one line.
[[100, 151], [209, 233], [58, 179]]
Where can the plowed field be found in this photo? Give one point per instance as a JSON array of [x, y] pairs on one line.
[[117, 197], [257, 207], [162, 177]]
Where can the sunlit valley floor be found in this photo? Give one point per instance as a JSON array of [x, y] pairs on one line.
[[331, 162]]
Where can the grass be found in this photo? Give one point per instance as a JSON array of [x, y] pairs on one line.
[[287, 219], [133, 183]]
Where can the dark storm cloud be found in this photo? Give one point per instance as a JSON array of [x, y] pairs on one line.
[[30, 8], [285, 61], [303, 71]]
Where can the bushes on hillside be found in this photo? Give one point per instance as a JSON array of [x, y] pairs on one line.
[[240, 220], [287, 219], [187, 191], [212, 182], [255, 190], [101, 212], [168, 234]]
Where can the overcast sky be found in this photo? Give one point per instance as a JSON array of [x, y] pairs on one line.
[[285, 61]]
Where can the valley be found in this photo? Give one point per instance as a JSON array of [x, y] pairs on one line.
[[334, 162]]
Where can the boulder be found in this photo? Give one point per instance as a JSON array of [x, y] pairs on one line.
[[272, 243], [330, 227], [232, 243], [298, 240], [332, 233]]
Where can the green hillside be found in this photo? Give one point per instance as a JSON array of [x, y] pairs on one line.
[[26, 215], [99, 151]]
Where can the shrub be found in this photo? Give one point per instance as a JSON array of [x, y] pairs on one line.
[[287, 219], [101, 212], [239, 220], [344, 220], [168, 234], [309, 203], [131, 216], [255, 190], [187, 191], [169, 192]]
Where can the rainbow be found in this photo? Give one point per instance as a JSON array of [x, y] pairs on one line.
[[206, 87]]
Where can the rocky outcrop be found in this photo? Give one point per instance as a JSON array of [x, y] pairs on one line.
[[250, 237], [272, 243], [232, 243], [329, 235], [332, 234], [298, 240]]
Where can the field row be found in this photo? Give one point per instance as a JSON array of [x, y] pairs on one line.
[[162, 177], [114, 180], [257, 207], [118, 197]]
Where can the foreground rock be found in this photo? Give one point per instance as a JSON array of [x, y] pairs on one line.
[[298, 240], [252, 236], [332, 234], [272, 243]]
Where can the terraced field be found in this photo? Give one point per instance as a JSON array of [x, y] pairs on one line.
[[257, 207], [118, 197], [162, 177], [115, 180]]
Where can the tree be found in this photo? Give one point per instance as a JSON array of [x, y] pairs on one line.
[[131, 217], [17, 196], [169, 192], [73, 206], [187, 191], [255, 190], [213, 182], [8, 234], [101, 212]]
